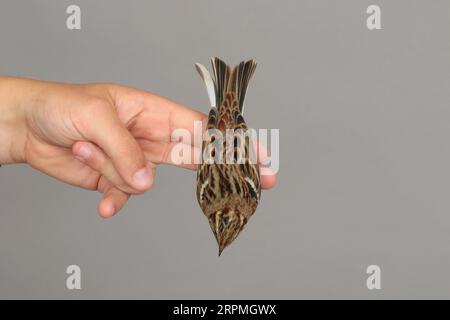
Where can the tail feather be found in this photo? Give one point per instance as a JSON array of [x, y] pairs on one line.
[[221, 76], [244, 72], [209, 82], [232, 80], [227, 79]]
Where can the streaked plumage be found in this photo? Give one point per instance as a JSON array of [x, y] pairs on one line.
[[227, 193]]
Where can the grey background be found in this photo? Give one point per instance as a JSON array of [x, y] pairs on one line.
[[364, 128]]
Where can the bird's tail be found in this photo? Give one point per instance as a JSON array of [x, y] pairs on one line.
[[227, 79]]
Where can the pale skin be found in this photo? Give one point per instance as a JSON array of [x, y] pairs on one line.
[[103, 137]]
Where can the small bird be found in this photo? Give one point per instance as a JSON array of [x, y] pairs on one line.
[[228, 193]]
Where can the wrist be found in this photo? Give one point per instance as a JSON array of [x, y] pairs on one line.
[[12, 120]]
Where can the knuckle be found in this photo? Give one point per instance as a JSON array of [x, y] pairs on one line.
[[96, 105], [92, 110]]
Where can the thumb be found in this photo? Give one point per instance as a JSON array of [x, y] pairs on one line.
[[107, 131]]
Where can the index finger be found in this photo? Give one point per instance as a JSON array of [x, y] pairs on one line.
[[154, 117], [180, 117]]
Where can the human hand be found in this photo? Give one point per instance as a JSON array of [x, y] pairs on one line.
[[101, 137]]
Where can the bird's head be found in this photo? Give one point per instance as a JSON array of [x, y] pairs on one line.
[[226, 225]]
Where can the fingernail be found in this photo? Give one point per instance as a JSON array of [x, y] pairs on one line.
[[142, 178], [84, 152]]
